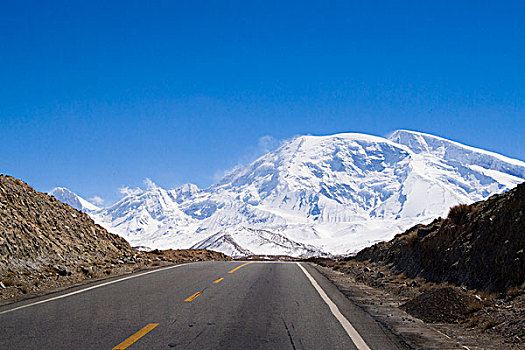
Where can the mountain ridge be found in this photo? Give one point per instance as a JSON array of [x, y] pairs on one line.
[[337, 193]]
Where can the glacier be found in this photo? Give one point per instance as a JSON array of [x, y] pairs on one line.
[[313, 196]]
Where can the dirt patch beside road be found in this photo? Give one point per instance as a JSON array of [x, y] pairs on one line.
[[19, 284], [471, 319]]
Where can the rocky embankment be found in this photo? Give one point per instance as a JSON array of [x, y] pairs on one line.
[[479, 246], [467, 270], [45, 245]]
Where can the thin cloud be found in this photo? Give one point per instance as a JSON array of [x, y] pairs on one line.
[[149, 183], [265, 144], [97, 200], [268, 143], [125, 190]]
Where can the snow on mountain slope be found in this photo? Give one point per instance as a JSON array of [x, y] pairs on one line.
[[316, 195], [142, 214], [458, 154], [67, 196], [234, 241]]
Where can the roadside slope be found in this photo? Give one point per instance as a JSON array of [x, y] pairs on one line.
[[46, 244], [465, 274], [479, 246]]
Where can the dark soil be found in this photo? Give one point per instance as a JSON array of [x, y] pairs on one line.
[[444, 304]]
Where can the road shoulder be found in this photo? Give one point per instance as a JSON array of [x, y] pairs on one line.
[[383, 308], [374, 333]]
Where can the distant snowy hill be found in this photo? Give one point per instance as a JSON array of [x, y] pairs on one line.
[[66, 196], [316, 195]]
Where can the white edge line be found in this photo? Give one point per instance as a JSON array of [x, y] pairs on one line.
[[90, 288], [350, 330], [463, 346]]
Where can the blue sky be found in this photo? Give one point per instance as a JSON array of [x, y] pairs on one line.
[[96, 95]]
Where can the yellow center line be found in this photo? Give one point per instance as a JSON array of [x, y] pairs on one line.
[[193, 296], [217, 281], [238, 267], [126, 343]]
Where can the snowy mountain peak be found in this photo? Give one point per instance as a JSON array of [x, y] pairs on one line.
[[316, 195], [184, 192], [458, 153], [67, 196]]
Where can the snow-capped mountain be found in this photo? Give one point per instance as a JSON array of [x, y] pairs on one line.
[[316, 195], [67, 196]]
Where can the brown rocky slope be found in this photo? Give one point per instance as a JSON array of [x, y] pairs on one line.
[[465, 274], [480, 246], [46, 244]]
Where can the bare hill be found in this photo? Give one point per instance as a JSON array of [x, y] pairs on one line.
[[479, 246], [37, 230]]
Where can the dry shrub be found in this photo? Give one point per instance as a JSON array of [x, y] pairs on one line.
[[410, 236], [426, 286], [8, 282], [514, 292], [459, 212], [48, 270], [474, 307]]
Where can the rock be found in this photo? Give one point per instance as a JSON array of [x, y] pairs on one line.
[[412, 284], [62, 270], [2, 285], [86, 270]]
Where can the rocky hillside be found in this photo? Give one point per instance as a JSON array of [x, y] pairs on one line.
[[479, 246], [37, 231], [46, 244]]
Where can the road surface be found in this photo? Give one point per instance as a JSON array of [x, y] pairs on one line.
[[205, 305]]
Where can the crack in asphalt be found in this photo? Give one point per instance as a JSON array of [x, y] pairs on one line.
[[289, 334]]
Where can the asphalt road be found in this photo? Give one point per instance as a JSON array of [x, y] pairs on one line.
[[257, 306]]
